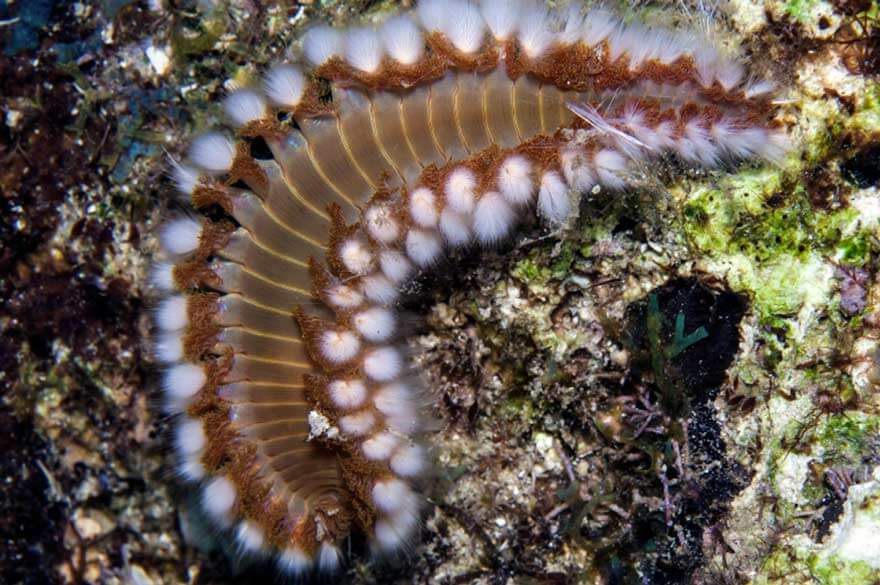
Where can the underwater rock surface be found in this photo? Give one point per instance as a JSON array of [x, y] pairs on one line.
[[680, 387]]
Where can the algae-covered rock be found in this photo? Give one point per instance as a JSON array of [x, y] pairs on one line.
[[679, 387]]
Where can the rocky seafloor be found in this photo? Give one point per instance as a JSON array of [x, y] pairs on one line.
[[680, 387]]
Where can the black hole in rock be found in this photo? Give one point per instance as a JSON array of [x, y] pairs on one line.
[[863, 169], [259, 149], [683, 337], [688, 337], [829, 516], [624, 224]]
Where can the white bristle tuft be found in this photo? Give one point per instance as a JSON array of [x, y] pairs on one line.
[[218, 498], [455, 228], [395, 265], [460, 190], [185, 178], [293, 561], [536, 33], [759, 88], [321, 43], [502, 17], [403, 40], [379, 289], [328, 557], [390, 495], [172, 314], [515, 180], [381, 224], [180, 237], [656, 44], [212, 152], [692, 139], [169, 347], [695, 146], [189, 436], [493, 218], [670, 47], [379, 447], [284, 85], [363, 49], [345, 297], [654, 138], [632, 116], [162, 276], [629, 40], [604, 125], [408, 461], [610, 166], [375, 324], [387, 537], [394, 400], [775, 148], [598, 26], [357, 424], [423, 207], [392, 530], [243, 106], [466, 28], [347, 394], [707, 61], [576, 170], [339, 347], [182, 382], [423, 247], [356, 256], [405, 424], [729, 74], [433, 14], [250, 537], [407, 517], [554, 204], [190, 468], [721, 131], [383, 364], [572, 24], [744, 142]]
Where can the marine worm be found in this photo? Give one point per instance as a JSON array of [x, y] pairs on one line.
[[443, 128]]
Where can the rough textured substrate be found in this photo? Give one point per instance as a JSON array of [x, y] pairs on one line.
[[550, 458]]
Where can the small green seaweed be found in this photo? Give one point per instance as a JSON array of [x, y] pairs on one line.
[[854, 251], [662, 354], [680, 342], [529, 271], [847, 437], [799, 9], [561, 266], [839, 572]]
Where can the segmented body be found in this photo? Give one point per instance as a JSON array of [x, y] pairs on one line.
[[298, 412]]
